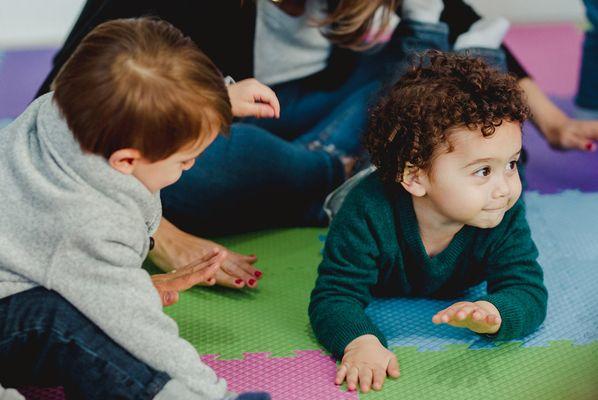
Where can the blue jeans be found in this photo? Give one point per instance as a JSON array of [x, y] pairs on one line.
[[587, 94], [266, 174], [45, 341]]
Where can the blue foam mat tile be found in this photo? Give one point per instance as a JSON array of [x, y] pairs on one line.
[[564, 225], [565, 228]]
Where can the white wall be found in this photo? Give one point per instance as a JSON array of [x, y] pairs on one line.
[[522, 11], [45, 23], [36, 23]]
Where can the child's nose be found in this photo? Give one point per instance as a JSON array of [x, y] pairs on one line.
[[502, 188]]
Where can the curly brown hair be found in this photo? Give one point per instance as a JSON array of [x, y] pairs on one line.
[[440, 92]]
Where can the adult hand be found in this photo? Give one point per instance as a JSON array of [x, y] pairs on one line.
[[170, 284], [574, 134], [479, 316], [175, 249], [560, 131], [366, 363], [250, 98]]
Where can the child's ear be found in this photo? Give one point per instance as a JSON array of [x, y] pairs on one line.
[[414, 180], [125, 160]]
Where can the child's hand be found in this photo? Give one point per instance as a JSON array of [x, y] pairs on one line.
[[169, 285], [366, 362], [250, 98], [480, 317]]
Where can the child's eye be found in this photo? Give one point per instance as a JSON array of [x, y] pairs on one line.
[[512, 165], [482, 171]]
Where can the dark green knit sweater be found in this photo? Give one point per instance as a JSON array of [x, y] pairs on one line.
[[374, 249]]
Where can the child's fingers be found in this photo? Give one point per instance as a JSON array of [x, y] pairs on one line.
[[464, 312], [393, 367], [169, 298], [378, 381], [365, 379], [478, 315], [210, 281], [341, 373], [351, 378], [448, 315], [492, 319]]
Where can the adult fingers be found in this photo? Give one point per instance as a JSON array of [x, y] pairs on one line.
[[234, 269], [259, 110], [224, 279], [266, 95]]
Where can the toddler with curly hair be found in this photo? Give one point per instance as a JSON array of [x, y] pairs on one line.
[[441, 213]]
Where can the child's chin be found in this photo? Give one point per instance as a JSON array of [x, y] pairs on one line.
[[488, 224]]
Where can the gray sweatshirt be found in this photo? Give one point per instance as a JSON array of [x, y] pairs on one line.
[[71, 223]]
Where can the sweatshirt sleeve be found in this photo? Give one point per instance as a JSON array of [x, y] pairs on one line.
[[347, 272], [99, 271], [515, 279]]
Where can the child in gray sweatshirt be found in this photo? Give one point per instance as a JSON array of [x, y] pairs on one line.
[[80, 174]]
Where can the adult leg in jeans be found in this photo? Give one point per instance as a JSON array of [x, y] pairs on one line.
[[587, 95], [255, 179], [45, 341], [250, 180], [345, 126]]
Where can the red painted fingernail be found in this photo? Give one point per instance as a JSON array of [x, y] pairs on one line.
[[257, 274], [238, 281], [590, 146], [251, 282]]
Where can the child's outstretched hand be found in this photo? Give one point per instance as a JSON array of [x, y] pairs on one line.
[[366, 362], [170, 284], [480, 316], [250, 98]]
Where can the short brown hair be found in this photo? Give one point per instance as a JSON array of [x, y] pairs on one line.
[[140, 83], [441, 92]]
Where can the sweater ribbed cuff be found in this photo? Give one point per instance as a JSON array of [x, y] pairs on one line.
[[510, 314], [346, 333]]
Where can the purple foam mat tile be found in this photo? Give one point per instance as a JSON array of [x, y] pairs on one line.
[[21, 74], [553, 171], [308, 376]]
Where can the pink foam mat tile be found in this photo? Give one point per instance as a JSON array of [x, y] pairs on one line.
[[551, 54], [308, 376]]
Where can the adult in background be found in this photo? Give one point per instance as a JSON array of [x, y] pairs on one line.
[[325, 62]]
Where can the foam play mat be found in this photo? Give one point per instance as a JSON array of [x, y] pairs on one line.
[[260, 340]]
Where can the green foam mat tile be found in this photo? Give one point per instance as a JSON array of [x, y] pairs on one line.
[[271, 318], [558, 371]]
